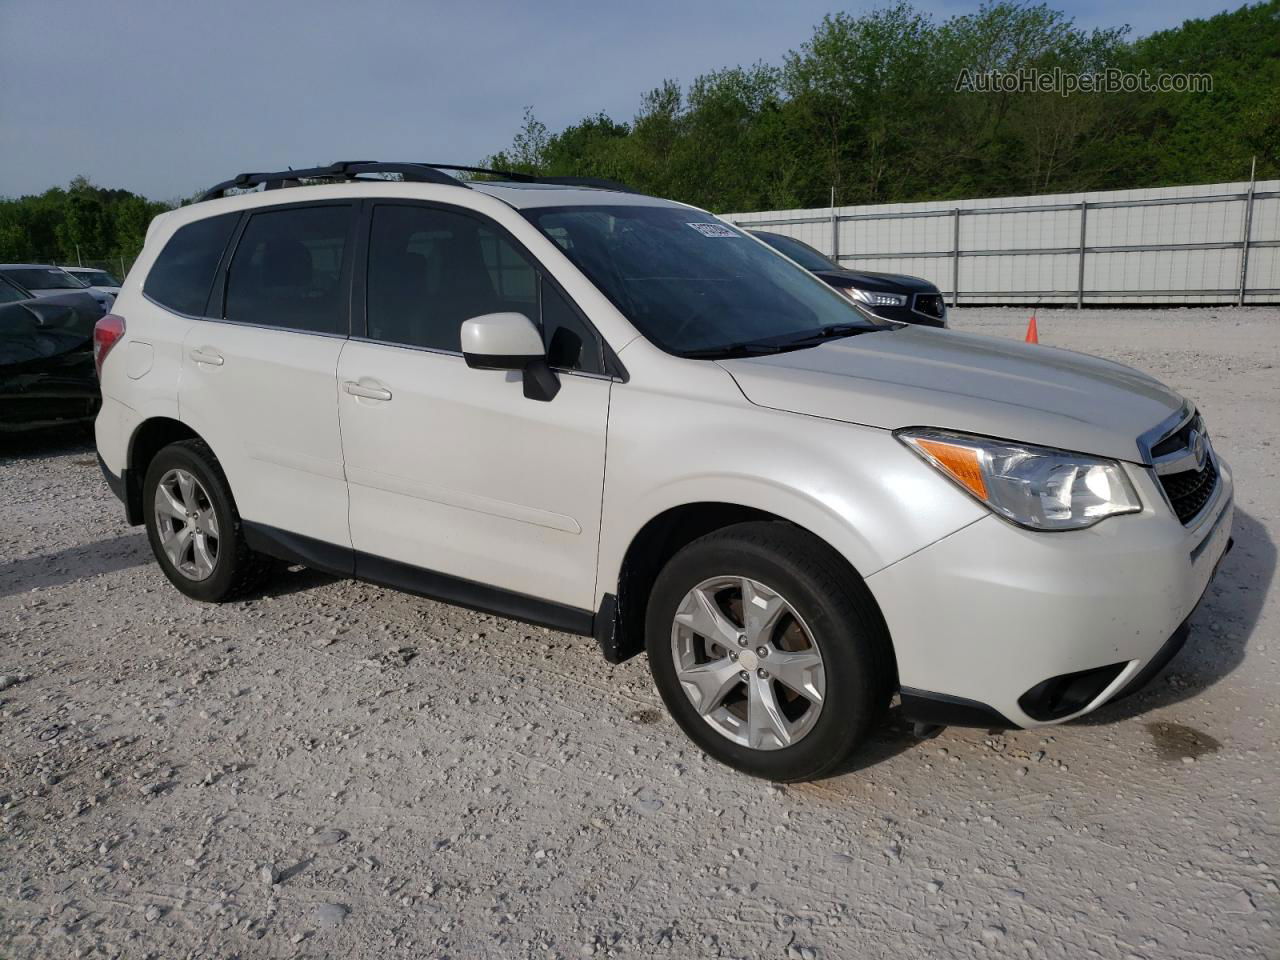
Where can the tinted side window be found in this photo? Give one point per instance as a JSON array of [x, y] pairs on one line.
[[429, 270], [182, 275], [288, 270], [571, 344]]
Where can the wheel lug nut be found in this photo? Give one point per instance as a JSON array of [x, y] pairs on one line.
[[744, 675], [762, 674], [733, 654], [742, 641], [762, 651]]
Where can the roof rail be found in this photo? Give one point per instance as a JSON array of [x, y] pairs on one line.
[[598, 183], [342, 170], [417, 172]]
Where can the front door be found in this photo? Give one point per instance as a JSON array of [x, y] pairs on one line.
[[451, 471]]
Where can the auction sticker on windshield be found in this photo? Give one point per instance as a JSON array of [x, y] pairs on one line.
[[713, 229]]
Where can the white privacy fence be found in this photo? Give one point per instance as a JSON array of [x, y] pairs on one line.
[[1210, 243]]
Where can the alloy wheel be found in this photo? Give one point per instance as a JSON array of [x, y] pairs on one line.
[[187, 524], [748, 663]]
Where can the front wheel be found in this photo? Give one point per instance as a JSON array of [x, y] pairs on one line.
[[768, 650]]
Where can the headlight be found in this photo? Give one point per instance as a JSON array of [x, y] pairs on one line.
[[1035, 487], [873, 299]]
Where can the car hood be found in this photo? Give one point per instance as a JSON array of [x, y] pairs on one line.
[[32, 331], [918, 376], [879, 282]]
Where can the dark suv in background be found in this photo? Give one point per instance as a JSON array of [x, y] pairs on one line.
[[893, 296]]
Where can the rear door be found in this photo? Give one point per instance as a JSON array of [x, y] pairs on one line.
[[259, 381], [456, 478]]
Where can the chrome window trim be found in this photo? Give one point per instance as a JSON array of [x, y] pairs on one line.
[[267, 326]]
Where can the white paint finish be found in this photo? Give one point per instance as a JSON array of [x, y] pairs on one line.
[[270, 414], [699, 440], [1008, 608], [501, 335], [138, 358], [461, 474], [454, 470], [128, 400], [918, 376]]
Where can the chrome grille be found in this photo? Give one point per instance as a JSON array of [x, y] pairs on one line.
[[1185, 465], [1190, 490]]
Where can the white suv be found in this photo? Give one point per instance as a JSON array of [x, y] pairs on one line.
[[619, 416]]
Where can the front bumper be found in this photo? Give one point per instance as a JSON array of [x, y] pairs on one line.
[[997, 625]]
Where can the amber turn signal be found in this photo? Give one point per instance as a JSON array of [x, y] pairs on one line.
[[961, 463]]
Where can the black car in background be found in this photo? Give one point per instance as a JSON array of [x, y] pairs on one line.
[[893, 296], [47, 377]]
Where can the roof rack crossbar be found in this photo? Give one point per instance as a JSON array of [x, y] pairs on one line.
[[342, 170]]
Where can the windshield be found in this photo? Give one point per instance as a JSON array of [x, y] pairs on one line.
[[97, 278], [801, 253], [694, 285], [43, 278], [9, 293]]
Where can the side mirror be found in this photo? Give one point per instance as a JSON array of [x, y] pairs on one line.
[[510, 341]]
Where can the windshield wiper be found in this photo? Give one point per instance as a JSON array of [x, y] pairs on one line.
[[832, 331], [749, 348]]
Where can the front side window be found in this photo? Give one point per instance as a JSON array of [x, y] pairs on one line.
[[430, 270], [694, 286], [182, 276], [44, 278], [288, 270]]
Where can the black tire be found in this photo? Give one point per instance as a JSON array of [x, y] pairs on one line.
[[237, 569], [837, 608]]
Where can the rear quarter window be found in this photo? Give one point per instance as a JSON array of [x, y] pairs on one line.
[[182, 276]]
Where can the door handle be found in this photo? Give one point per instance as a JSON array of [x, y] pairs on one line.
[[369, 393], [206, 356]]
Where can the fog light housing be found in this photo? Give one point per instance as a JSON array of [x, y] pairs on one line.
[[1067, 693]]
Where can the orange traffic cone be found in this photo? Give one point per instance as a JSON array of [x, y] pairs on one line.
[[1033, 335]]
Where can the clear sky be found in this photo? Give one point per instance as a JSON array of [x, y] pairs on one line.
[[163, 97]]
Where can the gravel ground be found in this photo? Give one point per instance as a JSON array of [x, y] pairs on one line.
[[334, 770]]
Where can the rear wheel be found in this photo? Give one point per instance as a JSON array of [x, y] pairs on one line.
[[194, 528], [768, 651]]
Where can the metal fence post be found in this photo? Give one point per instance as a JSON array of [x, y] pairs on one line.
[[1084, 212], [955, 259], [1244, 240], [835, 229]]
